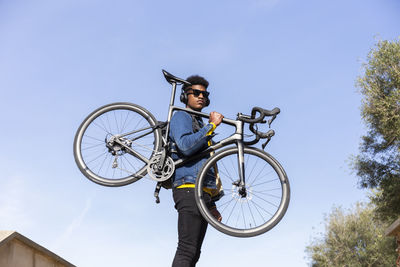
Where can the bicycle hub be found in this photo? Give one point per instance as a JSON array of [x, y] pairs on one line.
[[242, 191]]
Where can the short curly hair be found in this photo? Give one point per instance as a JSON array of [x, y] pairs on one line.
[[195, 79]]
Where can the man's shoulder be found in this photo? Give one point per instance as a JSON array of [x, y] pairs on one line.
[[181, 115], [181, 121]]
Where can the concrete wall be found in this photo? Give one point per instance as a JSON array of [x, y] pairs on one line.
[[17, 254], [18, 251]]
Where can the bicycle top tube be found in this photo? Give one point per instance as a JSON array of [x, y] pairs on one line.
[[236, 123]]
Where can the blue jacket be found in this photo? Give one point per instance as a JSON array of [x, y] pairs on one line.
[[189, 143]]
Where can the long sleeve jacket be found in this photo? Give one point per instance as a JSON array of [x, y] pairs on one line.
[[187, 143]]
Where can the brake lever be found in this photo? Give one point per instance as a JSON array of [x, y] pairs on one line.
[[266, 143], [271, 120], [270, 133]]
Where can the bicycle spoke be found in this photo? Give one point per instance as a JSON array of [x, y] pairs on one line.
[[93, 138], [93, 146], [251, 213], [259, 174], [135, 169], [237, 219], [230, 214], [252, 169], [227, 172], [266, 194], [138, 123], [120, 164], [255, 205], [102, 127], [94, 159], [266, 182], [233, 166], [124, 169], [101, 166], [116, 126], [226, 175], [244, 219], [124, 124], [229, 202], [110, 166], [108, 122], [247, 160], [265, 200], [260, 207]]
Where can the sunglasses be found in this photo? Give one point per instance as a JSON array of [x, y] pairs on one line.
[[197, 93]]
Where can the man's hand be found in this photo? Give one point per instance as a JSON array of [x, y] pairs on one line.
[[216, 118], [216, 214]]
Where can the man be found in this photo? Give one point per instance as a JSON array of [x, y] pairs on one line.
[[189, 135]]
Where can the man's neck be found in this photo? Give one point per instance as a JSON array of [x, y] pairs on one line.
[[199, 110]]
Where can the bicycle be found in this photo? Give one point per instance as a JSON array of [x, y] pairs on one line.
[[120, 143]]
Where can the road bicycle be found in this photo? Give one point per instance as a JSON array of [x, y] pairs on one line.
[[120, 143]]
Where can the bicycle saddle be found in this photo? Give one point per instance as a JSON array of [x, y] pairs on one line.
[[172, 79]]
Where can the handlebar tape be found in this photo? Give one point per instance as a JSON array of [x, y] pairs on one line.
[[263, 113]]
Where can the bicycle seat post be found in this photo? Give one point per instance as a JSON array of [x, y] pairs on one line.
[[171, 104]]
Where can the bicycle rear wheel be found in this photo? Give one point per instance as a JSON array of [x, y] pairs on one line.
[[115, 142], [267, 192]]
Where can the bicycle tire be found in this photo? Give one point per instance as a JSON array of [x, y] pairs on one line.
[[100, 125], [271, 202]]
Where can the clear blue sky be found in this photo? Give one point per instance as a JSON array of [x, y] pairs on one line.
[[59, 60]]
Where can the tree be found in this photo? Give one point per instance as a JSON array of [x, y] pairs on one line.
[[351, 239], [378, 164]]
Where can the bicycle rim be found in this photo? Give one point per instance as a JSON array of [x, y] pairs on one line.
[[267, 193], [95, 158]]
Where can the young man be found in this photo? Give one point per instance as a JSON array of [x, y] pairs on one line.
[[189, 135]]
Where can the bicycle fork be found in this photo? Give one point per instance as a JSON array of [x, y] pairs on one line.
[[241, 183]]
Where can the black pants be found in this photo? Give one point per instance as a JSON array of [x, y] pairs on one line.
[[191, 228]]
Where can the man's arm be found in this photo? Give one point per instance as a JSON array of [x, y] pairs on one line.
[[187, 141]]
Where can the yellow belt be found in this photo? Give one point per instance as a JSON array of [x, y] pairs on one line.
[[205, 189]]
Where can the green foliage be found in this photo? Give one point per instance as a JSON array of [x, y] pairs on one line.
[[352, 239], [378, 164]]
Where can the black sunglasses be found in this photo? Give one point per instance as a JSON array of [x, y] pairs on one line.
[[197, 92]]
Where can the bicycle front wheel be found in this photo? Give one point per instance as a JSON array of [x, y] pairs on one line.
[[115, 142], [266, 197]]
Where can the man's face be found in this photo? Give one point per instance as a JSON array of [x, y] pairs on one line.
[[196, 102]]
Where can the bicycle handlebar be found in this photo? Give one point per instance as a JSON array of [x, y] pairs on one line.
[[263, 113], [253, 120]]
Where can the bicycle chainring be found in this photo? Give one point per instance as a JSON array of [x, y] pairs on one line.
[[160, 175]]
